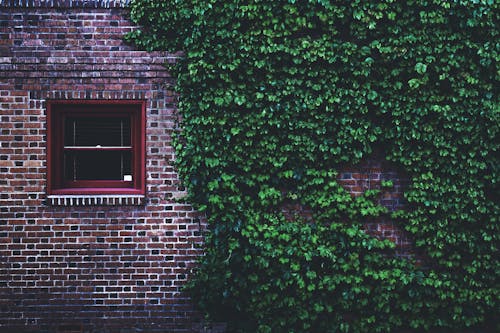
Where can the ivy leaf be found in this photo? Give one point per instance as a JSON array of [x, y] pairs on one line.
[[420, 68]]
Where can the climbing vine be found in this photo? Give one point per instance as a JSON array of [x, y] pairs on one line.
[[275, 96]]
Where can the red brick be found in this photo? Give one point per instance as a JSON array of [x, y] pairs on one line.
[[59, 248]]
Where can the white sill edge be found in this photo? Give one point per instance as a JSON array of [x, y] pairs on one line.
[[95, 200]]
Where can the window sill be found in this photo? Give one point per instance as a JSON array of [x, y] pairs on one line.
[[96, 200]]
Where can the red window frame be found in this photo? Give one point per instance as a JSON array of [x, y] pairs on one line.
[[58, 110]]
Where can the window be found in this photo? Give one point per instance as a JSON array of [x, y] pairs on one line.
[[96, 147]]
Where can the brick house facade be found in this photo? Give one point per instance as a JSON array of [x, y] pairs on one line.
[[114, 261], [95, 262]]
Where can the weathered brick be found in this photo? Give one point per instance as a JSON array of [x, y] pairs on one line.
[[58, 254]]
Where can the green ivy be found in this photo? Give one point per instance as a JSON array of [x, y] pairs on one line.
[[275, 96]]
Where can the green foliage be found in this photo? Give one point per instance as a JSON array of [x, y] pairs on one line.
[[275, 95]]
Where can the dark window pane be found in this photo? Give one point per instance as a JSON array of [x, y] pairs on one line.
[[97, 165], [103, 131]]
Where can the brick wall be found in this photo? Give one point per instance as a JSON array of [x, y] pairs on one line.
[[369, 175], [99, 268], [103, 266]]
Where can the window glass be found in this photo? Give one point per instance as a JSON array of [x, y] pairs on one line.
[[102, 131], [97, 165]]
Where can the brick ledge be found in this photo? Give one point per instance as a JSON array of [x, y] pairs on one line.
[[96, 200], [65, 3]]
